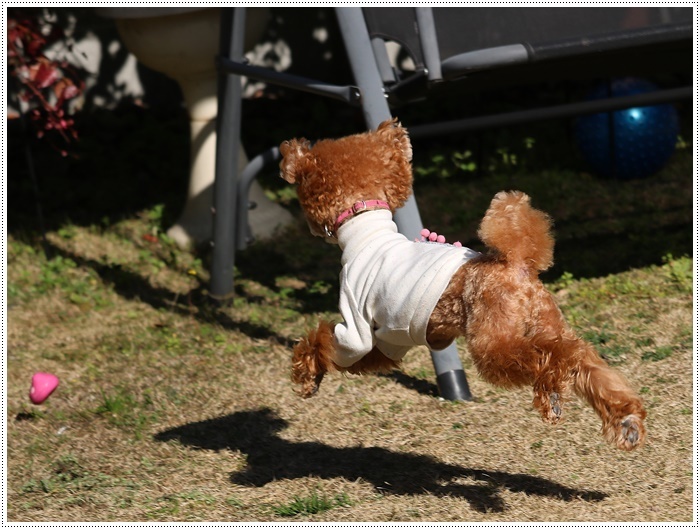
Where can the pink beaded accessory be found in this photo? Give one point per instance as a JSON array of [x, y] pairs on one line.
[[430, 236]]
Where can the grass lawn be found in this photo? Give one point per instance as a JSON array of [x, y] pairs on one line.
[[171, 408]]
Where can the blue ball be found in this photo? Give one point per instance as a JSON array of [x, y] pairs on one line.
[[645, 137]]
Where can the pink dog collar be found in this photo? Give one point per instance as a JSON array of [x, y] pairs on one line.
[[359, 207]]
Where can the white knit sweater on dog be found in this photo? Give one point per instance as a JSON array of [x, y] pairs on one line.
[[389, 287]]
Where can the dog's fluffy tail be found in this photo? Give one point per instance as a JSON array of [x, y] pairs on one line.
[[517, 231]]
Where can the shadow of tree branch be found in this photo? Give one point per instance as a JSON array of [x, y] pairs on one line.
[[131, 285]]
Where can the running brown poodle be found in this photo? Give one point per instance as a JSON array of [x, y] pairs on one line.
[[397, 293]]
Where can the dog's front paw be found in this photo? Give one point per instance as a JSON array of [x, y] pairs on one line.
[[305, 369], [311, 359]]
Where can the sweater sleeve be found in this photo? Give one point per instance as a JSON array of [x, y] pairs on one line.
[[354, 337]]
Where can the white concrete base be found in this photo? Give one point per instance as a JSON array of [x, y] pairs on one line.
[[183, 46], [196, 223]]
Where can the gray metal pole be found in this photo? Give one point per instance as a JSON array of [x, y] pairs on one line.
[[429, 42], [374, 102], [359, 49], [451, 379], [560, 111], [228, 126], [244, 235]]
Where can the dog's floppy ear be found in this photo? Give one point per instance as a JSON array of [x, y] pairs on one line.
[[294, 156], [394, 133]]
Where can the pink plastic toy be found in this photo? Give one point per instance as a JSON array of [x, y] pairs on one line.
[[43, 384]]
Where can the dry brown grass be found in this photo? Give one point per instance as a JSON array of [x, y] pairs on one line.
[[173, 410]]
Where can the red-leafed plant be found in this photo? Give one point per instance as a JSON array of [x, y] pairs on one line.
[[45, 85]]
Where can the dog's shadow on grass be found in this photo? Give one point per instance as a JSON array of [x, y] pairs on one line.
[[269, 457], [418, 385]]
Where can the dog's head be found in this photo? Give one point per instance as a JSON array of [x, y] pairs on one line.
[[332, 175]]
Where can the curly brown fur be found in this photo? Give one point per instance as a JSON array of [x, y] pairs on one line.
[[381, 171], [311, 360], [513, 327], [520, 234], [517, 335]]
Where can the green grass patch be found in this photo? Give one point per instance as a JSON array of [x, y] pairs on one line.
[[68, 474], [311, 504], [34, 276], [127, 411], [660, 353], [679, 271]]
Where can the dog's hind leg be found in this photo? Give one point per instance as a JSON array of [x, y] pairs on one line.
[[620, 409], [553, 381], [549, 398], [311, 359]]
